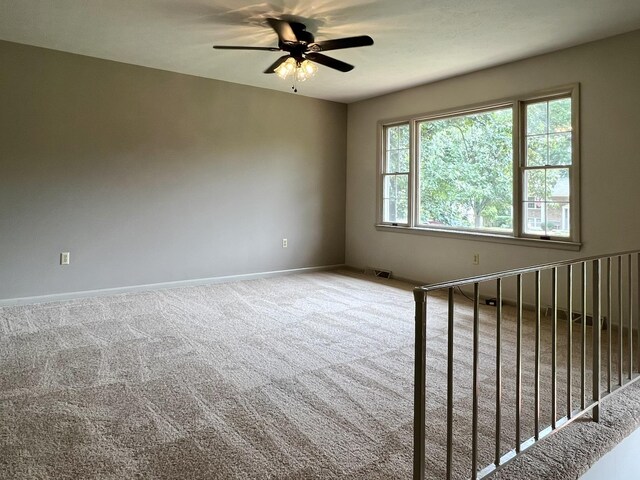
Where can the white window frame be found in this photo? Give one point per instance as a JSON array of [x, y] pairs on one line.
[[518, 104], [382, 171]]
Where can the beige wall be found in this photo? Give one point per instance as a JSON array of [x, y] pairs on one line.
[[147, 176], [608, 72]]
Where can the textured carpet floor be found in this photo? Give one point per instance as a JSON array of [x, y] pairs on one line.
[[303, 376]]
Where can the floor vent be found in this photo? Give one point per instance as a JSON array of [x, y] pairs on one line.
[[378, 272], [577, 318]]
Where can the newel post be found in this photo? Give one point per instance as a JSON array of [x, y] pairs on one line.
[[597, 332], [419, 404]]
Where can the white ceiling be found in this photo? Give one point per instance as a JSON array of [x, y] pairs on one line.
[[416, 41]]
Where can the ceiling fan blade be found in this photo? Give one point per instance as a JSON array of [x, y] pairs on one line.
[[230, 47], [329, 62], [283, 29], [338, 43], [276, 64]]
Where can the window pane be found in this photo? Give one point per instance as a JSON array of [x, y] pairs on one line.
[[533, 213], [537, 118], [558, 185], [560, 149], [537, 151], [403, 136], [550, 219], [466, 171], [397, 161], [548, 139], [546, 208], [392, 138], [397, 149], [547, 184], [395, 198], [397, 137], [557, 220], [560, 115], [403, 160], [535, 185], [392, 162]]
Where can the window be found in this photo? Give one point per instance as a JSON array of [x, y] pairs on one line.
[[395, 176], [507, 170], [465, 171], [547, 166]]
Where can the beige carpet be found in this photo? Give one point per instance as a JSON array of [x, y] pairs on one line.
[[304, 376]]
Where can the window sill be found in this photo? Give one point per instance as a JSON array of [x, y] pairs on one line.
[[482, 237]]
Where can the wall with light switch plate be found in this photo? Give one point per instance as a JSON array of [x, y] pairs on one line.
[[147, 176]]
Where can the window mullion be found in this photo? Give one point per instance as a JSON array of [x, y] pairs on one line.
[[548, 167], [414, 187], [518, 167]]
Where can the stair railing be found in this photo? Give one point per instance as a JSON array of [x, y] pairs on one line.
[[599, 297]]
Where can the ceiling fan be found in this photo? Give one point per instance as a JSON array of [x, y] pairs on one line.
[[302, 49]]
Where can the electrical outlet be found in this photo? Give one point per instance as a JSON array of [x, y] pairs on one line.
[[285, 243], [65, 258], [476, 259]]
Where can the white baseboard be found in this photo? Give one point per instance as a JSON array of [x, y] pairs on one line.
[[57, 297]]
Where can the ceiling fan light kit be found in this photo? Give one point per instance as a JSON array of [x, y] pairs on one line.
[[301, 70], [303, 52]]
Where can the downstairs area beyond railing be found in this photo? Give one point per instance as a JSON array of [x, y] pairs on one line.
[[579, 319]]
